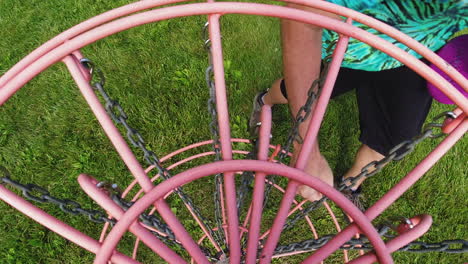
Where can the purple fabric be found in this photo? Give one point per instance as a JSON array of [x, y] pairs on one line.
[[455, 52]]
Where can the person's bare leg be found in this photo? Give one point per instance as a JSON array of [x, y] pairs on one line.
[[302, 47], [317, 164], [274, 94], [364, 156]]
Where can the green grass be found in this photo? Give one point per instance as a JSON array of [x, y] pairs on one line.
[[48, 136]]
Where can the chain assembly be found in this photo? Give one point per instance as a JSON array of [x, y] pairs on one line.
[[396, 154], [362, 243], [315, 244], [41, 195], [150, 220], [119, 116]]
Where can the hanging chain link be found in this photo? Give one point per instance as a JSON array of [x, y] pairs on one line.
[[315, 244], [41, 195], [38, 194], [305, 110], [168, 236], [362, 243], [397, 153], [120, 117]]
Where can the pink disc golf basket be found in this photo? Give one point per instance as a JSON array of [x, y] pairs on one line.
[[246, 239]]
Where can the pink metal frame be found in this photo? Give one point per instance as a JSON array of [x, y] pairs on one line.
[[65, 47]]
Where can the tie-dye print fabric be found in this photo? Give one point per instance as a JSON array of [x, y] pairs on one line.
[[431, 22]]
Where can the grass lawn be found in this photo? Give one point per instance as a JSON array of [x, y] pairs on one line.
[[48, 136]]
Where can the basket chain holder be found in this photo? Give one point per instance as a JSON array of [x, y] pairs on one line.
[[163, 231]]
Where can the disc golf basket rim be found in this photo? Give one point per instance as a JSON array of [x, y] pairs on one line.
[[66, 46]]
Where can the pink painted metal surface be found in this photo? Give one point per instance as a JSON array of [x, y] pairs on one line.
[[103, 25], [421, 225], [225, 138], [259, 187]]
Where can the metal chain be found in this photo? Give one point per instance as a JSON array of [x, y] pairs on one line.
[[302, 115], [447, 246], [39, 194], [305, 111], [149, 220], [167, 235], [120, 117], [395, 154], [362, 243], [314, 244]]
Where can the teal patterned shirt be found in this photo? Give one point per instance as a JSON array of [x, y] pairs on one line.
[[431, 22]]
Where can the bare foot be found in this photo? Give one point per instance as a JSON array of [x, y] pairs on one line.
[[316, 167]]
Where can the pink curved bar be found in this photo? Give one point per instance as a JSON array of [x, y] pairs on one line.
[[241, 165], [90, 31], [57, 226], [257, 9], [322, 5], [224, 138]]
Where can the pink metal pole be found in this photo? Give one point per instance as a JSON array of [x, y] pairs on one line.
[[259, 188], [310, 139], [108, 126], [225, 138], [129, 159], [243, 165], [394, 193], [88, 184], [57, 226]]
